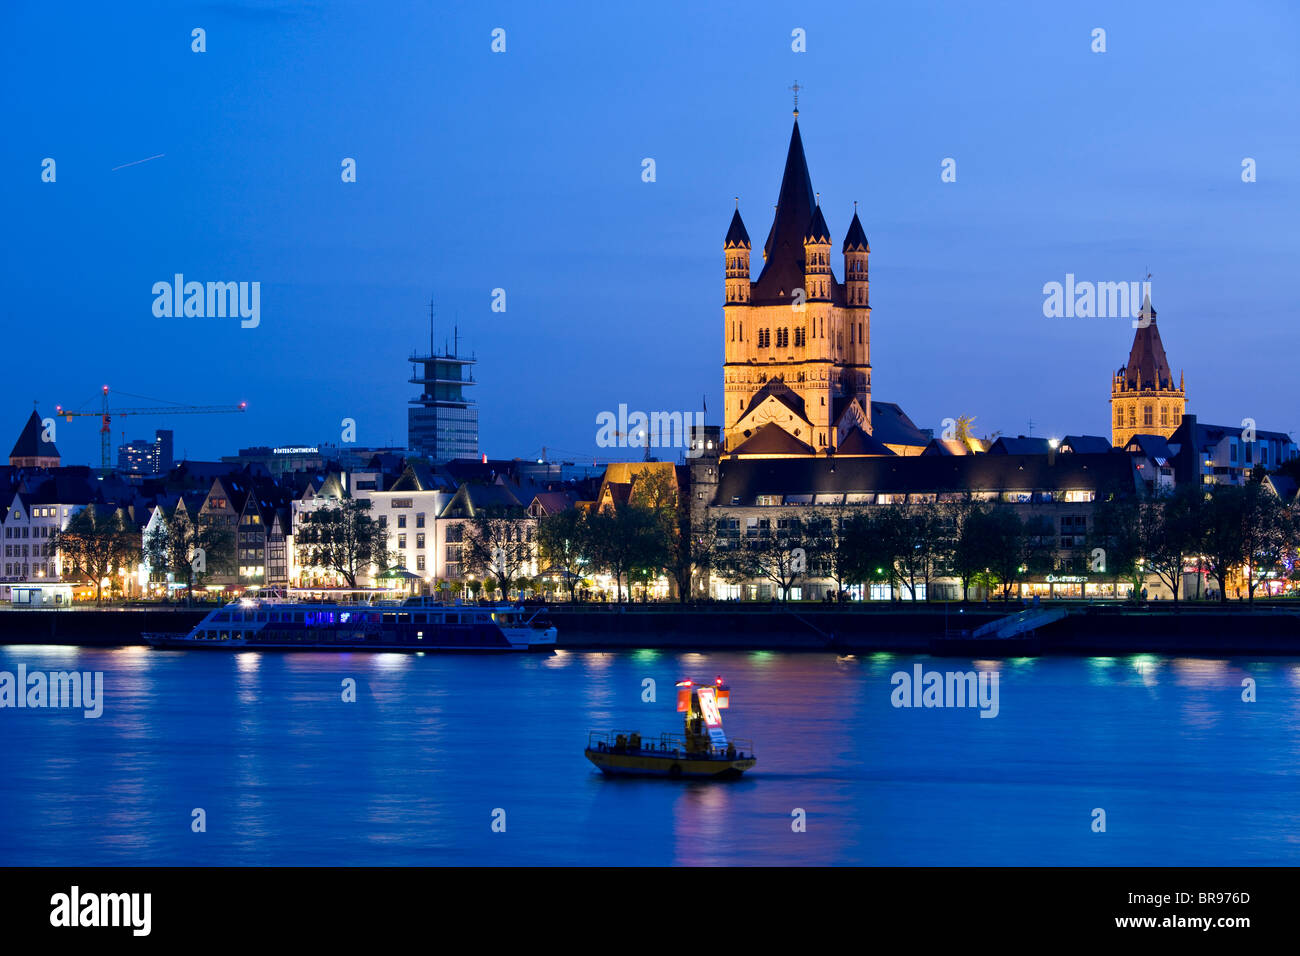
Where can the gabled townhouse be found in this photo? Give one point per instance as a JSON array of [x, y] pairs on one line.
[[408, 510], [40, 507], [162, 514], [473, 498], [314, 492]]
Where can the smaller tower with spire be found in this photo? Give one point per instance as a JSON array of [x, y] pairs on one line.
[[856, 251], [817, 258], [1143, 397], [736, 246]]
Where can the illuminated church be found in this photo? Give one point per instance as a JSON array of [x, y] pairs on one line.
[[797, 373]]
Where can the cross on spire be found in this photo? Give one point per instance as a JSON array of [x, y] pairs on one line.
[[796, 87]]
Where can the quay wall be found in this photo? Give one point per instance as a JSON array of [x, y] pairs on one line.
[[1196, 630]]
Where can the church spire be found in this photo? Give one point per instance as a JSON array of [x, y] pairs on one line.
[[737, 236], [783, 269], [856, 238]]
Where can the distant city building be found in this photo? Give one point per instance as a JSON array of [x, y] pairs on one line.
[[280, 459], [142, 457], [285, 459], [32, 450], [442, 422], [1143, 397]]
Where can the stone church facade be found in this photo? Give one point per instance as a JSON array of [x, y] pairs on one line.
[[797, 370]]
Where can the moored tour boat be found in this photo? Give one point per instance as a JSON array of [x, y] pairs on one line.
[[702, 752], [416, 624]]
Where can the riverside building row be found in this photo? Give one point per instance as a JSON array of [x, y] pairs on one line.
[[728, 499]]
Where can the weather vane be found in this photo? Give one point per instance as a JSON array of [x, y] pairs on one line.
[[796, 89]]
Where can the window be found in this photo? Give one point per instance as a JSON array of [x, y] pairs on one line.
[[401, 521], [1164, 415], [1147, 418], [419, 520], [419, 541], [1132, 418], [401, 541]]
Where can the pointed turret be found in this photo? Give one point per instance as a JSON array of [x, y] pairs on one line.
[[737, 237], [817, 231], [856, 239], [736, 247], [856, 250], [817, 257]]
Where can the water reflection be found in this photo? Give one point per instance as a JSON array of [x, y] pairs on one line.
[[291, 774]]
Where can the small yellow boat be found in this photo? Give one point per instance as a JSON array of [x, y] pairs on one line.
[[702, 752]]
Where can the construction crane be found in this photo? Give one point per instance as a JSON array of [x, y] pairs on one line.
[[106, 416]]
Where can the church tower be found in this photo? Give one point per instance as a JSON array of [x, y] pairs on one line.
[[1143, 399], [797, 368]]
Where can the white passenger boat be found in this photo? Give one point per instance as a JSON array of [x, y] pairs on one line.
[[416, 624]]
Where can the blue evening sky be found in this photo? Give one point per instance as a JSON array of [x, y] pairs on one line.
[[522, 170]]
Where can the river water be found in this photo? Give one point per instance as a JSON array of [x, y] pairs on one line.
[[434, 748]]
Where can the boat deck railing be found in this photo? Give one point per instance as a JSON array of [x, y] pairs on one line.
[[626, 741]]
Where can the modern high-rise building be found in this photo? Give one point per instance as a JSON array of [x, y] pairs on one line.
[[442, 422], [141, 457]]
